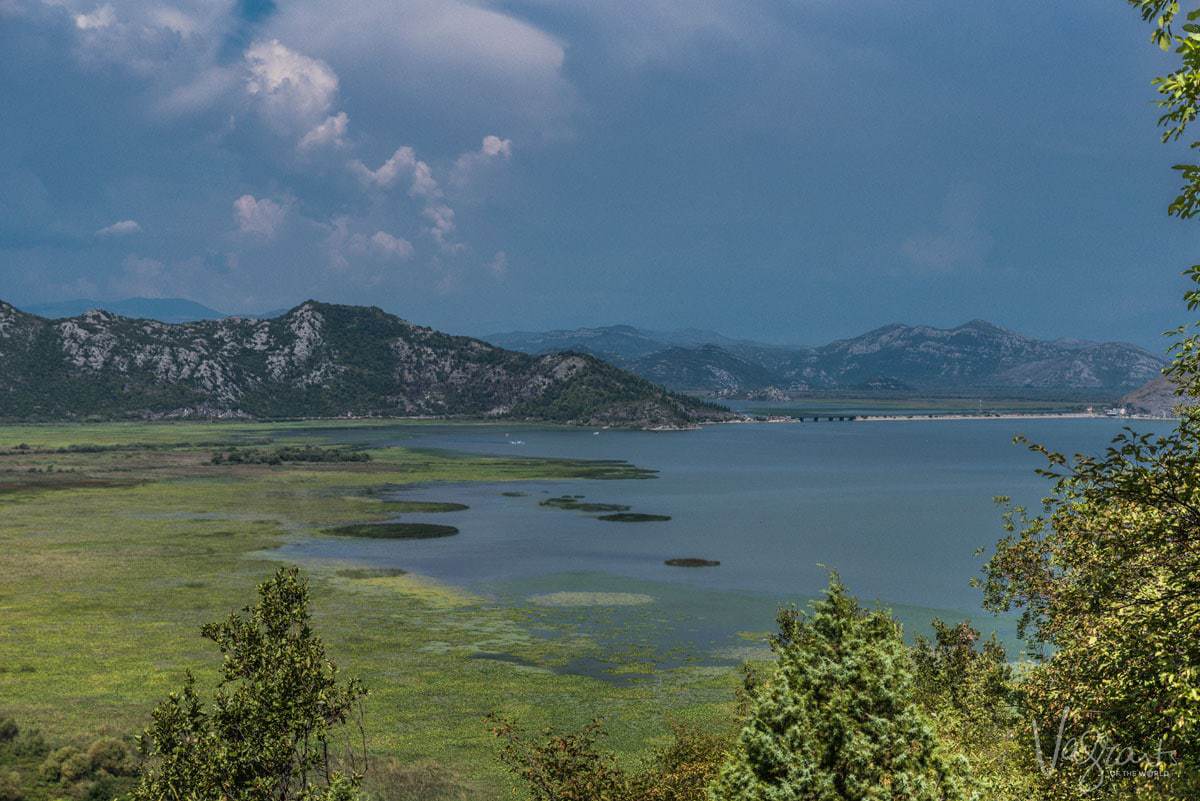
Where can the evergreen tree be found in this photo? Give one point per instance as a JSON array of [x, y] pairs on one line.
[[838, 719]]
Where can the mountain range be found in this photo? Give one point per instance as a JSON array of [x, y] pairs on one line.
[[166, 310], [316, 360], [976, 357]]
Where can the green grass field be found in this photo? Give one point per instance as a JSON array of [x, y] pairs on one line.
[[117, 541]]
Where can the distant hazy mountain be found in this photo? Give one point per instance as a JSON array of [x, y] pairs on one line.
[[616, 343], [620, 344], [975, 356], [317, 360], [165, 310], [709, 367]]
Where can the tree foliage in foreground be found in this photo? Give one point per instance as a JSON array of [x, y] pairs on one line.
[[969, 689], [268, 734], [838, 718], [574, 767], [1108, 579], [1107, 576], [1177, 28]]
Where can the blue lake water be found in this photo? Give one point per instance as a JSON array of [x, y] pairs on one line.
[[899, 508]]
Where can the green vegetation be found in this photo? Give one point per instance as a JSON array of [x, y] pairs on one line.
[[115, 539], [393, 531], [969, 690], [592, 599], [573, 766], [838, 718], [634, 517], [32, 769], [576, 503], [370, 572], [617, 512], [423, 507], [267, 734], [117, 548], [304, 453]]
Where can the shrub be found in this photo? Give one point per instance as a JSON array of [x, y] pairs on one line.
[[51, 767], [10, 787], [111, 756], [75, 767], [572, 767], [683, 770], [29, 744], [8, 730], [562, 767], [838, 718]]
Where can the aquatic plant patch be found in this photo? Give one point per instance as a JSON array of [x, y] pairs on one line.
[[577, 504], [393, 531], [592, 599], [634, 517]]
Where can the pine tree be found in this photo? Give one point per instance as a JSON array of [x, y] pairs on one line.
[[838, 719]]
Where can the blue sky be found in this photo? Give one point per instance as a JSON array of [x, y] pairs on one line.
[[791, 171]]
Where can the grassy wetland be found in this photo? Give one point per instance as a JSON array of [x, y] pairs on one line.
[[118, 541]]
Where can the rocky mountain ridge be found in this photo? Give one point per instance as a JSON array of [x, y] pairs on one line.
[[317, 360]]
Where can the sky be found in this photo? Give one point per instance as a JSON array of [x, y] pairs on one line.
[[791, 171]]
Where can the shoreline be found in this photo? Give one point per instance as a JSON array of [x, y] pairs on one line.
[[944, 416], [1014, 416]]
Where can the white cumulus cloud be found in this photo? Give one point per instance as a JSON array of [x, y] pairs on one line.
[[102, 17], [422, 184], [295, 90], [330, 132], [441, 228], [258, 216], [492, 150], [495, 146], [121, 228], [400, 164], [385, 244], [173, 20]]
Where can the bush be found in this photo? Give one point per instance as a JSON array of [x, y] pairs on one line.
[[8, 730], [10, 787], [75, 767], [29, 744], [105, 788], [683, 770], [572, 767], [111, 756], [562, 767], [51, 768]]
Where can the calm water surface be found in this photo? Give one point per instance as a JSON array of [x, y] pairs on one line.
[[899, 508]]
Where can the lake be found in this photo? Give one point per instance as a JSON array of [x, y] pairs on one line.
[[899, 508]]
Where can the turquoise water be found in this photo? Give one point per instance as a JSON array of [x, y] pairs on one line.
[[899, 508]]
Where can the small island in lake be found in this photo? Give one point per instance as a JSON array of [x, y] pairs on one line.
[[393, 531]]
